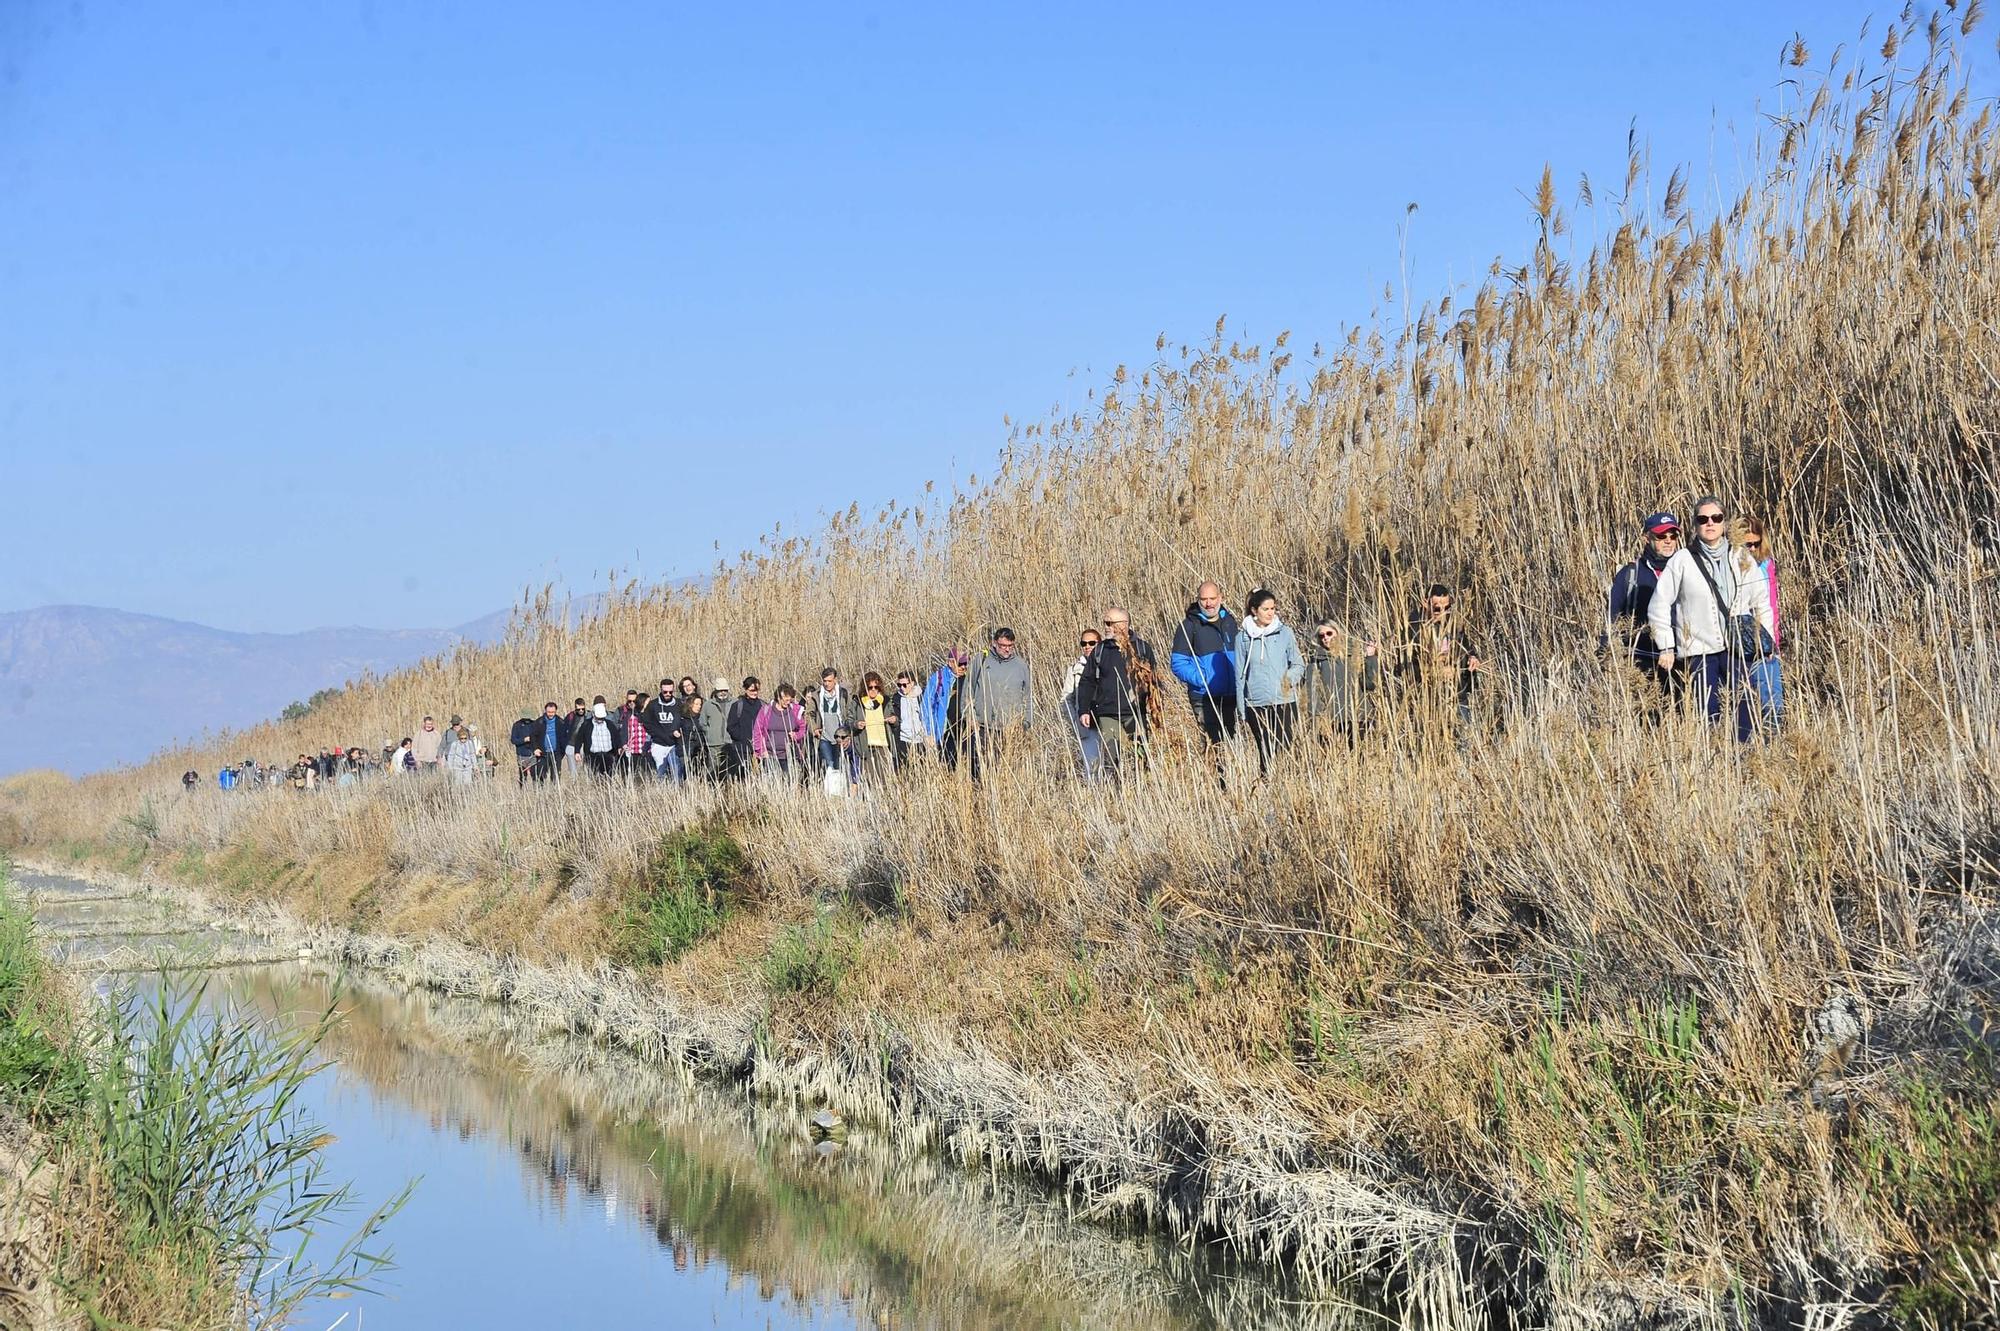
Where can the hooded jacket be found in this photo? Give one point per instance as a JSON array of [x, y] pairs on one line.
[[1270, 664], [1684, 615], [1204, 654]]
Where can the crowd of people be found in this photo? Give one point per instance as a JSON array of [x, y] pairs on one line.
[[456, 751], [1698, 619]]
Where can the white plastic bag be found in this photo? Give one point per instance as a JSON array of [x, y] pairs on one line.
[[835, 783]]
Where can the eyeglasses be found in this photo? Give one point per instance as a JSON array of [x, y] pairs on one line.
[[1326, 635], [1753, 545], [1708, 519], [1116, 623], [1673, 535], [1086, 642]]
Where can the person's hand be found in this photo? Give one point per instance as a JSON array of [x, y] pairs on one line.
[[1473, 663], [1666, 660], [1371, 648], [1084, 719]]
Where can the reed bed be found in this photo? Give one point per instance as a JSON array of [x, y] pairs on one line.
[[1654, 1021]]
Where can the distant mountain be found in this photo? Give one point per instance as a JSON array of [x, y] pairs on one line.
[[84, 688]]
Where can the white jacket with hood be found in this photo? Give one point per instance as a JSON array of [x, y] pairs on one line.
[[1683, 613]]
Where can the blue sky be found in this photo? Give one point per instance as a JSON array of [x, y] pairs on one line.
[[349, 312]]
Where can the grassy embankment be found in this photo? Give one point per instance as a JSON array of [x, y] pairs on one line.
[[1627, 1008], [160, 1174]]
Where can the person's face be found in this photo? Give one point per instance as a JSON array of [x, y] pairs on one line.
[[1668, 541], [829, 681], [1439, 605], [1210, 600], [429, 724], [1326, 637], [688, 689], [549, 711], [1116, 622], [752, 690], [1266, 612], [1087, 641], [1003, 647], [694, 704], [1754, 544], [1708, 523], [632, 699], [905, 684]]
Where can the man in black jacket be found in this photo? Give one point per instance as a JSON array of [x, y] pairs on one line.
[[661, 716], [1107, 699], [526, 737]]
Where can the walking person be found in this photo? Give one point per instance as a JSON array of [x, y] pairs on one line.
[[717, 753], [1086, 737], [1705, 600], [1204, 658], [573, 756], [778, 740], [598, 739], [1627, 630], [462, 759], [908, 721], [832, 716], [1269, 672], [1440, 663], [694, 753], [742, 725], [661, 720], [944, 705], [1767, 675], [1000, 704], [429, 746], [524, 735], [1116, 693], [877, 758], [1337, 685]]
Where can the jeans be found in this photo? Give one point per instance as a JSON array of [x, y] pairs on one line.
[[1709, 678], [1767, 679], [1087, 743]]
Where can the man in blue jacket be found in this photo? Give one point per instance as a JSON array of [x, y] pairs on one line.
[[1204, 659]]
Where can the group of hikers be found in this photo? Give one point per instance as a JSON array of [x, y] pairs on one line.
[[1697, 618], [456, 750]]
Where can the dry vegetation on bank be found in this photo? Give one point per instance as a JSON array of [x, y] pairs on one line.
[[1640, 1007]]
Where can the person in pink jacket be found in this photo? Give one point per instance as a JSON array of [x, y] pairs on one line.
[[778, 741]]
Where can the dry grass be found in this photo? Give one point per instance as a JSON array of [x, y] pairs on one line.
[[1584, 983]]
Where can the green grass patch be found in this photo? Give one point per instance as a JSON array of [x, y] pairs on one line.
[[812, 958], [686, 889]]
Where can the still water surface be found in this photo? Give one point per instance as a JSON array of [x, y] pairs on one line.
[[560, 1184]]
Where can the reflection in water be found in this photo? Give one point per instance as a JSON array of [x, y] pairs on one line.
[[615, 1158]]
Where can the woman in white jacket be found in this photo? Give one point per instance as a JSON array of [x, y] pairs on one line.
[[1702, 590]]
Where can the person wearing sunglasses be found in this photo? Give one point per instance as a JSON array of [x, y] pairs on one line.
[[1767, 676], [1338, 680], [1626, 630], [1117, 689], [1086, 738], [1703, 590], [1438, 660]]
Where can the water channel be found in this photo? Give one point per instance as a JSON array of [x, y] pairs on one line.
[[560, 1184]]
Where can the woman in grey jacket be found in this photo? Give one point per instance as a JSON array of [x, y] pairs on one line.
[[1338, 683], [1268, 671]]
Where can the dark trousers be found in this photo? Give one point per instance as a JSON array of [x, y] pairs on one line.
[[1217, 717], [1711, 681], [603, 764], [1272, 727]]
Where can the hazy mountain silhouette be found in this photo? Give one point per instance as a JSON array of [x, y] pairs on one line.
[[84, 688]]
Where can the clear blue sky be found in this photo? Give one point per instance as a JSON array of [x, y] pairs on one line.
[[351, 312]]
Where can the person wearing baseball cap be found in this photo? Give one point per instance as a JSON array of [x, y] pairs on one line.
[[1626, 633]]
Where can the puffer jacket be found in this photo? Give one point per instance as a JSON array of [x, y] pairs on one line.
[[1204, 654], [1683, 615]]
